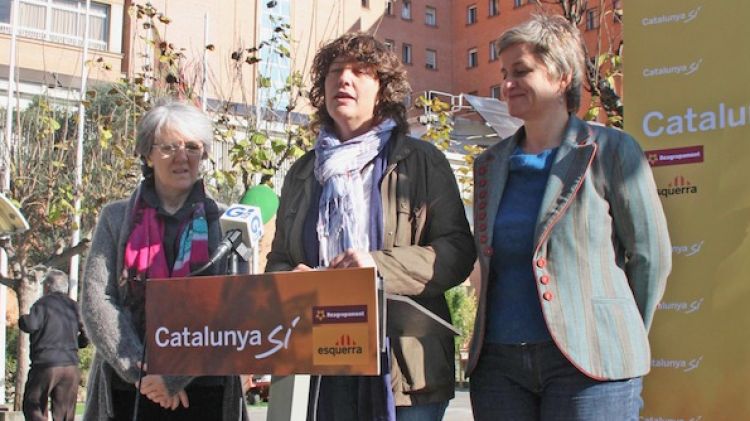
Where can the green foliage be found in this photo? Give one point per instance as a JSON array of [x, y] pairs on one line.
[[462, 304], [262, 139], [439, 121], [254, 147], [604, 69], [85, 356], [439, 128], [11, 362]]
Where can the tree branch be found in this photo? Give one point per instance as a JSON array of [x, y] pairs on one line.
[[9, 282], [59, 260]]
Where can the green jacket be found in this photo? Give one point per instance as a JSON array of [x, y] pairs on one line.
[[428, 248]]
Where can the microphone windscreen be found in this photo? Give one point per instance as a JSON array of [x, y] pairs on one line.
[[244, 218], [263, 197]]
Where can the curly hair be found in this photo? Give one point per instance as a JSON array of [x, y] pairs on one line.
[[363, 48]]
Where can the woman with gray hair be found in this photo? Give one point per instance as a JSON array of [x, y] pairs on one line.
[[573, 248], [167, 228]]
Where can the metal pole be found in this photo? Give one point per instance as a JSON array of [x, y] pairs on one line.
[[148, 71], [6, 182], [76, 237], [3, 311], [11, 95], [205, 63]]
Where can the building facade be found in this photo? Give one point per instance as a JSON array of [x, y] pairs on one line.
[[49, 44], [446, 45]]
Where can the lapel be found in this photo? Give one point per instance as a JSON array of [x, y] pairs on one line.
[[399, 151], [491, 176], [572, 160], [307, 179]]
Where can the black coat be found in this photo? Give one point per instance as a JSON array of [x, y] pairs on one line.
[[55, 329]]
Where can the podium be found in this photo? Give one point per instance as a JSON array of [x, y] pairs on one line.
[[325, 322], [317, 322]]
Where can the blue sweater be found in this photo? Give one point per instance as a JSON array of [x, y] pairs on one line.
[[514, 311]]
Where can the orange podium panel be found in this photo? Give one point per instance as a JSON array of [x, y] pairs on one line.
[[317, 322]]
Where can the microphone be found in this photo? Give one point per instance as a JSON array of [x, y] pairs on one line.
[[246, 221], [263, 197], [241, 228]]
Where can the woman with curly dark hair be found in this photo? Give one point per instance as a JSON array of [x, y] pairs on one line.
[[369, 195]]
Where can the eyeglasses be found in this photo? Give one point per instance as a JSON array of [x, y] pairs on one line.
[[168, 150]]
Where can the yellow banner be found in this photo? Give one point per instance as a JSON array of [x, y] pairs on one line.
[[687, 96]]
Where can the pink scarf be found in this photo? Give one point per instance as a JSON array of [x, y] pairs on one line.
[[144, 251]]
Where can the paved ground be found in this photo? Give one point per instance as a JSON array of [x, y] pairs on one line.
[[459, 409]]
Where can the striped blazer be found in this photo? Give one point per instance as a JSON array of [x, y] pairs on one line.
[[602, 252]]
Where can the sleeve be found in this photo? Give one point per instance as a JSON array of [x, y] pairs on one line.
[[31, 322], [107, 323], [640, 226], [445, 255], [278, 259], [83, 340]]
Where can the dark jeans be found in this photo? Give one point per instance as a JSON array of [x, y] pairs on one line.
[[59, 383], [424, 412], [205, 404], [536, 382], [339, 402]]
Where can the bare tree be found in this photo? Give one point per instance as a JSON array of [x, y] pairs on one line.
[[604, 63]]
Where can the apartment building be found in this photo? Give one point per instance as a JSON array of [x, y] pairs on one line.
[[48, 50], [446, 45], [478, 24], [50, 39]]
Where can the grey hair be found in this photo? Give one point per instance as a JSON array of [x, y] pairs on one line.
[[56, 281], [179, 116], [557, 43]]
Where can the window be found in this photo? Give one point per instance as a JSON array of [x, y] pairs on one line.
[[389, 44], [406, 9], [495, 91], [431, 59], [389, 7], [430, 16], [493, 50], [473, 58], [517, 3], [60, 21], [592, 19], [471, 15], [278, 68], [366, 3], [406, 53], [494, 7]]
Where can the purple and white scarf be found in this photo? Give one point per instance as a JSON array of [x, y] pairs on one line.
[[338, 167]]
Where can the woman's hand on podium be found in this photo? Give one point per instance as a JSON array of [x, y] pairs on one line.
[[353, 259]]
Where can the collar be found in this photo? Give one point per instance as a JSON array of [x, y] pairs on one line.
[[577, 133], [148, 195]]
